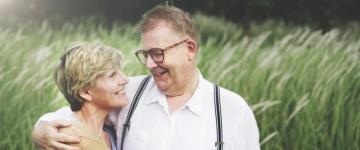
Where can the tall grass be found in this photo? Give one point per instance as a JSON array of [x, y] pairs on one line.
[[303, 85]]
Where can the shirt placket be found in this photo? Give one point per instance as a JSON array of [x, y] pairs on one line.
[[168, 136]]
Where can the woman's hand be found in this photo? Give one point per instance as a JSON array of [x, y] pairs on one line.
[[46, 136]]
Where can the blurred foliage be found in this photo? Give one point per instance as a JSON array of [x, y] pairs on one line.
[[302, 84], [322, 13]]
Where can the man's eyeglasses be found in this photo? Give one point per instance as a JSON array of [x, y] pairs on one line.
[[156, 54]]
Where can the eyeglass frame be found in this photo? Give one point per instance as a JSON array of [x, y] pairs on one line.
[[146, 53]]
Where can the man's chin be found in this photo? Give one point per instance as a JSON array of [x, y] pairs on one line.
[[161, 85]]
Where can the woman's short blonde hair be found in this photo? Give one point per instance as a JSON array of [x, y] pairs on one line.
[[79, 67]]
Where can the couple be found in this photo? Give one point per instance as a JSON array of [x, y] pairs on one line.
[[173, 109]]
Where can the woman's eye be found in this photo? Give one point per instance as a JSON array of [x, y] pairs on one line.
[[112, 74]]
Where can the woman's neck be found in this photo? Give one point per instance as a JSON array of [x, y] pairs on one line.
[[93, 117]]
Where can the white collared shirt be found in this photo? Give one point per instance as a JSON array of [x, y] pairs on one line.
[[192, 127]]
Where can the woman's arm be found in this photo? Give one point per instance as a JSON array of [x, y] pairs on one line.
[[46, 133], [47, 136]]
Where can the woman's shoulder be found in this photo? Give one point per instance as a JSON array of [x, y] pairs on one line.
[[89, 140]]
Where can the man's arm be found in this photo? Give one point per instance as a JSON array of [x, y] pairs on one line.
[[247, 133], [46, 136]]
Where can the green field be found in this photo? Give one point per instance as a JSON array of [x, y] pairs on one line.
[[303, 84]]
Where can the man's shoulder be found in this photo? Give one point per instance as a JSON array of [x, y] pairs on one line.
[[234, 107], [137, 78], [231, 95], [133, 84], [232, 101], [131, 88], [134, 81], [63, 113], [227, 95]]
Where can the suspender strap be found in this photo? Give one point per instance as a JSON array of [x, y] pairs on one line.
[[219, 140], [133, 105]]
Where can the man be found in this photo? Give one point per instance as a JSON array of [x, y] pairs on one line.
[[177, 109]]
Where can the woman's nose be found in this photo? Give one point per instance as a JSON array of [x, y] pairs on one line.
[[123, 79]]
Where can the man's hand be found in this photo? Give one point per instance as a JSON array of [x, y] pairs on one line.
[[46, 136]]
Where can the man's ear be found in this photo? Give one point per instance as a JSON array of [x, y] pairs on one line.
[[192, 49], [85, 94]]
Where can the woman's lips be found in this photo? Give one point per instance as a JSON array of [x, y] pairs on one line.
[[120, 92]]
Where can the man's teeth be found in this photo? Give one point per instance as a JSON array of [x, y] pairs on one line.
[[159, 73]]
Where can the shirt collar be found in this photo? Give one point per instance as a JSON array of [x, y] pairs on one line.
[[195, 104], [155, 95]]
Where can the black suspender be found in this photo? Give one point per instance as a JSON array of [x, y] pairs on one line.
[[219, 141], [133, 105]]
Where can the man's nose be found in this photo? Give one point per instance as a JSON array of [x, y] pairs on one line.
[[149, 62]]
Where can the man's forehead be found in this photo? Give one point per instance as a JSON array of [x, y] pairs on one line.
[[148, 43], [160, 37], [158, 41]]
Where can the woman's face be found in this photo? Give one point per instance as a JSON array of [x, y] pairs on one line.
[[108, 91]]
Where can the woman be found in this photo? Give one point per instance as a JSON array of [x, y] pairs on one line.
[[90, 78]]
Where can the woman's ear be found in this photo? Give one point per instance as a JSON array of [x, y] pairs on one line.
[[192, 49], [84, 94]]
